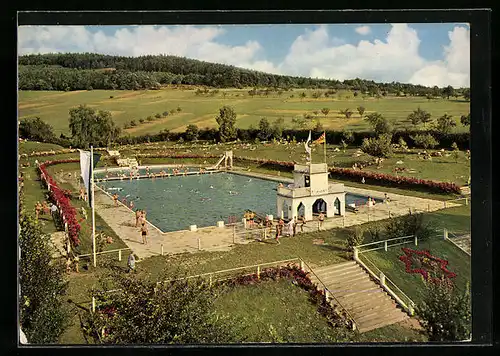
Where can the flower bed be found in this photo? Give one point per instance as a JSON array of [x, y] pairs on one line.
[[431, 268], [396, 180], [62, 198]]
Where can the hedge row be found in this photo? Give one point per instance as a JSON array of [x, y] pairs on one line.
[[332, 137]]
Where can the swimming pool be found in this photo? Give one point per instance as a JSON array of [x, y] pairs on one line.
[[142, 171], [358, 199], [174, 203]]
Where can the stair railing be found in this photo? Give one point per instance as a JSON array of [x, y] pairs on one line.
[[329, 295]]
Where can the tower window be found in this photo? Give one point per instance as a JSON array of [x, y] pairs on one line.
[[307, 181]]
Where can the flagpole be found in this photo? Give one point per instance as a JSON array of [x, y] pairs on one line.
[[92, 201], [324, 144]]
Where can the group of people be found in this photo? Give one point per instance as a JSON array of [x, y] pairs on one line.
[[140, 221], [45, 209], [283, 228], [83, 194]]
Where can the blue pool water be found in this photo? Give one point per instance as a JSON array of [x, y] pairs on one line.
[[174, 203], [142, 171]]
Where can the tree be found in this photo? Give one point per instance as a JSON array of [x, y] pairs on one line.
[[402, 144], [192, 132], [465, 120], [89, 127], [302, 95], [178, 312], [379, 123], [299, 122], [466, 94], [318, 126], [448, 91], [361, 110], [325, 111], [265, 130], [445, 123], [179, 109], [378, 147], [346, 112], [425, 141], [344, 145], [419, 116], [42, 315], [456, 151], [348, 136], [278, 127], [226, 121], [36, 130], [158, 116], [445, 312], [315, 112]]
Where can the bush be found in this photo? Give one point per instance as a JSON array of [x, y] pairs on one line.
[[158, 116], [133, 123], [149, 118], [37, 130], [141, 120], [425, 141], [355, 237], [165, 113]]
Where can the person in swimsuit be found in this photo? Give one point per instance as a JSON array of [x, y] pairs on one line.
[[115, 199], [38, 208], [131, 205], [144, 233], [138, 215], [321, 218]]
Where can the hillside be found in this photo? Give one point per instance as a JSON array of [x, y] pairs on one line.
[[84, 71]]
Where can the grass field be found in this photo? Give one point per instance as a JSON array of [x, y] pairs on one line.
[[278, 311], [53, 107]]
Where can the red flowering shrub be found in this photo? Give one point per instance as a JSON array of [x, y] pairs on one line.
[[61, 198], [426, 264], [396, 180]]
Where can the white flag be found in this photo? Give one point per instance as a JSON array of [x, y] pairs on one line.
[[308, 149], [85, 168]]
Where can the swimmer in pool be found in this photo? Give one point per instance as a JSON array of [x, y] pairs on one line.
[[211, 187]]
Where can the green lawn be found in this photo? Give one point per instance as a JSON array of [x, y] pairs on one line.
[[127, 105], [30, 147], [278, 311]]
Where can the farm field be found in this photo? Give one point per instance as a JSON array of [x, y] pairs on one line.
[[201, 110]]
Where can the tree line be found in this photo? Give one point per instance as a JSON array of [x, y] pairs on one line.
[[82, 71]]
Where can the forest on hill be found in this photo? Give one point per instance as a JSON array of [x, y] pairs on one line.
[[88, 71]]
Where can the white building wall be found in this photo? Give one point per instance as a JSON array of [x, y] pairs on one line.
[[308, 203]]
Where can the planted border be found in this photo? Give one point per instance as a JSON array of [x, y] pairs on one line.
[[62, 198]]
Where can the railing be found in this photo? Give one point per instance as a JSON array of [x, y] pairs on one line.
[[119, 250], [456, 235], [328, 294], [211, 275], [389, 286], [387, 243]]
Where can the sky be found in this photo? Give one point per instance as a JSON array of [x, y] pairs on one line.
[[426, 54]]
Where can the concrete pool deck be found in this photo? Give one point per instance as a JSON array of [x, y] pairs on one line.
[[122, 220]]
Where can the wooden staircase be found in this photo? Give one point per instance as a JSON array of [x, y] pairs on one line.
[[369, 305]]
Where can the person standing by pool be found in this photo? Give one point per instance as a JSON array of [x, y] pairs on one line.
[[321, 218], [294, 225], [277, 238], [291, 228], [137, 217], [302, 223], [131, 205], [38, 208], [131, 262], [115, 199], [144, 233]]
